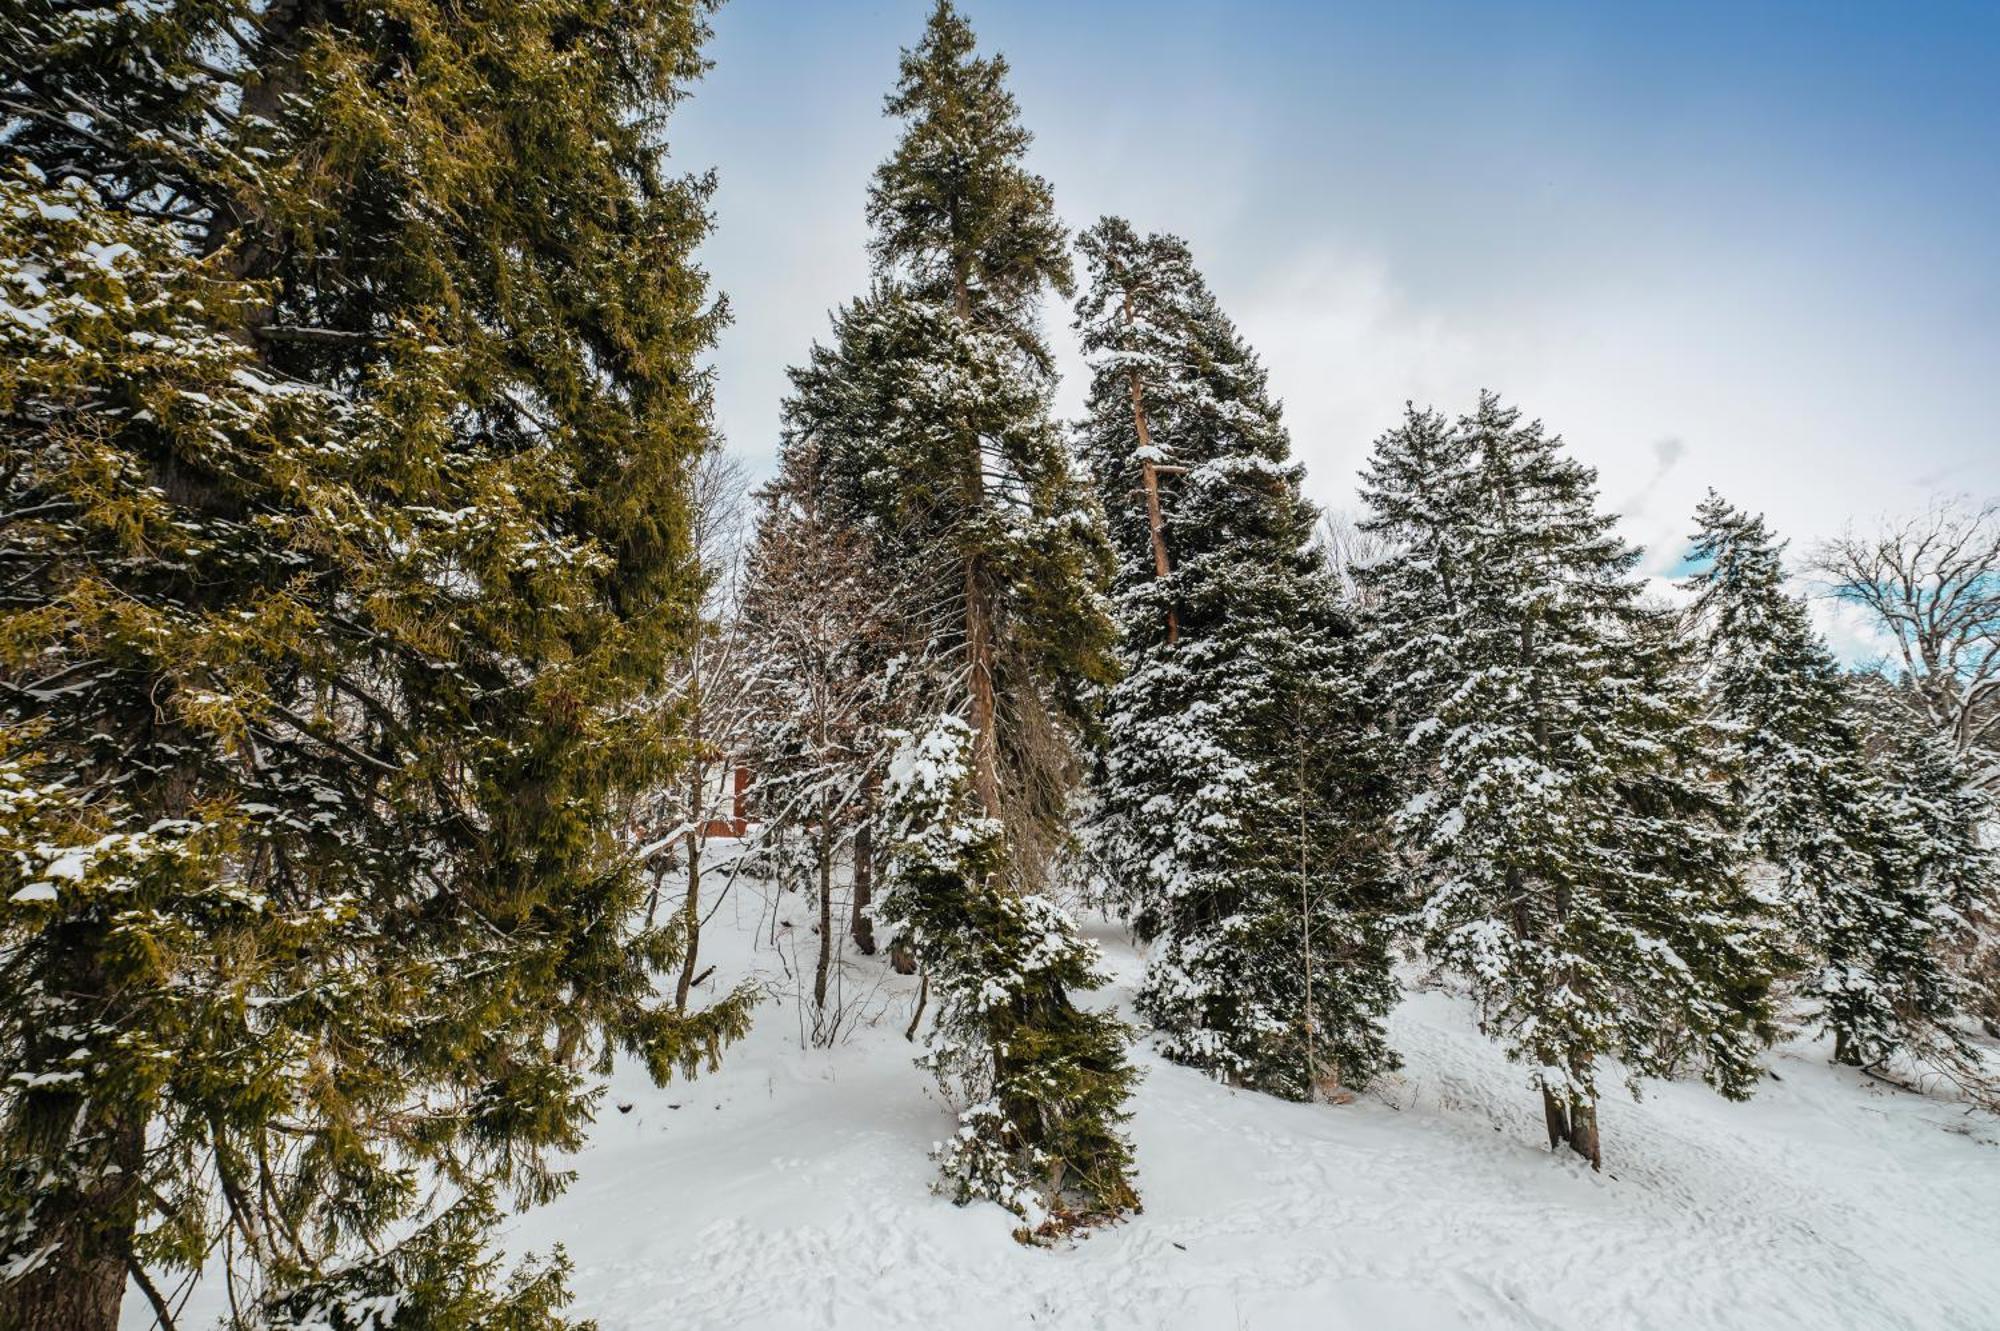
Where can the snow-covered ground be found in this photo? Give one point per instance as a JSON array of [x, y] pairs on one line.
[[790, 1190]]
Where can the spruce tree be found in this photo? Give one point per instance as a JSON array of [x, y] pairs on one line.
[[1241, 803], [1562, 823], [931, 414], [348, 397], [1866, 853], [1937, 824]]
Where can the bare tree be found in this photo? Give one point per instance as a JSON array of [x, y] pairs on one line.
[[1932, 583], [1347, 550], [707, 697], [831, 652]]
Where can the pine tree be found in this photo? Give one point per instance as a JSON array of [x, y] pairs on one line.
[[1936, 828], [1241, 805], [349, 400], [1865, 917], [1562, 825], [931, 414]]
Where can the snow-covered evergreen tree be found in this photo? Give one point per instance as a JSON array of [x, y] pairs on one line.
[[1840, 843], [1240, 803], [930, 411], [1039, 1083], [1935, 826], [1563, 826], [348, 397]]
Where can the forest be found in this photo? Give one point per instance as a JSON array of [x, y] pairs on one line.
[[418, 729]]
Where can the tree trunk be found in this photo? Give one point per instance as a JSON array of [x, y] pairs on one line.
[[88, 1223], [1556, 1114], [978, 613], [1149, 476], [860, 926], [979, 661], [691, 909], [923, 996], [82, 1285], [1305, 924], [1843, 1050], [281, 29], [825, 857], [1583, 1132], [690, 921]]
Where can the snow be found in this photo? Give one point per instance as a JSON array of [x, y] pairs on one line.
[[791, 1191], [69, 863]]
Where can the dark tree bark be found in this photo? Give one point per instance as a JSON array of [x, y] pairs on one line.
[[690, 912], [691, 909], [82, 1284], [1556, 1114], [1583, 1133], [985, 713], [860, 926], [825, 867]]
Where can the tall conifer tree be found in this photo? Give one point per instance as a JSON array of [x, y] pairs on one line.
[[1563, 825], [1863, 862], [1241, 805], [349, 401], [1939, 823], [930, 413]]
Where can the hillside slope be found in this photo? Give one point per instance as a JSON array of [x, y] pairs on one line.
[[790, 1191]]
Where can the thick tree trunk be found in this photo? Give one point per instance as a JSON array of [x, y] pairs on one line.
[[1583, 1133], [978, 610], [82, 1285], [979, 653], [281, 29], [1555, 1112], [79, 1290]]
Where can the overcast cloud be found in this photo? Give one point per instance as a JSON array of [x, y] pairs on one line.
[[1747, 246]]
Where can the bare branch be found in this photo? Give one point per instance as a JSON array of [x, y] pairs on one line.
[[1932, 581]]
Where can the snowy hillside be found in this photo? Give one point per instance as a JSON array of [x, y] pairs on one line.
[[790, 1191]]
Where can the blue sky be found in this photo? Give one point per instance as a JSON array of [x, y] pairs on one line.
[[1754, 246]]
